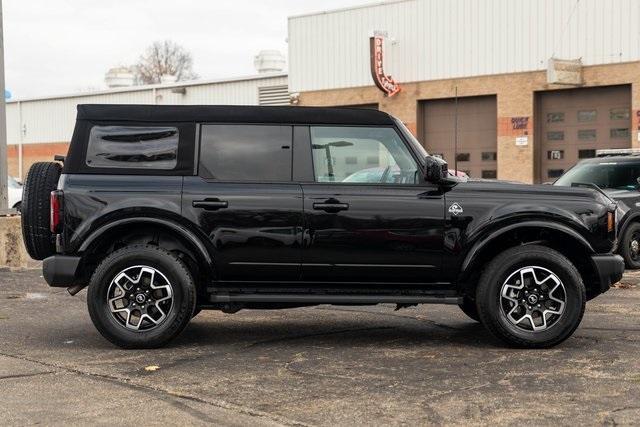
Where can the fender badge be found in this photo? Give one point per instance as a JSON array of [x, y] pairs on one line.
[[455, 209]]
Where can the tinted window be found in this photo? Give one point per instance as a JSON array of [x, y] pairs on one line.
[[555, 136], [463, 157], [246, 153], [587, 115], [382, 156], [622, 176], [146, 147], [489, 156], [587, 134], [555, 117], [489, 174]]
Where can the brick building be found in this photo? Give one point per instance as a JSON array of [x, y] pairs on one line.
[[513, 89]]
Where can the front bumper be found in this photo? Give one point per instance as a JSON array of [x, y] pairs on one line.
[[61, 271], [609, 269]]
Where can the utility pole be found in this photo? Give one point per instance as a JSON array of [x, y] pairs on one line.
[[3, 127]]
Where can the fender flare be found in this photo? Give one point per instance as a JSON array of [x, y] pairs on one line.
[[483, 242], [183, 231], [632, 217]]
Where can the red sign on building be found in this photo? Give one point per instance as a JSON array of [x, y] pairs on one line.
[[385, 83]]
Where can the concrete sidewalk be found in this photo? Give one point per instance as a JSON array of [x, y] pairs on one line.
[[313, 366]]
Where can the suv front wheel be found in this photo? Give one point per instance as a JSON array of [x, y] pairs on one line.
[[531, 296], [141, 296]]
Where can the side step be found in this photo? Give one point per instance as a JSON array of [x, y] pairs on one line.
[[335, 299]]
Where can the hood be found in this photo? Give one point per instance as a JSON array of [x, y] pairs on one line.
[[533, 191]]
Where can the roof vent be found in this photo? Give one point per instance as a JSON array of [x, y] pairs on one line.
[[119, 77], [269, 61]]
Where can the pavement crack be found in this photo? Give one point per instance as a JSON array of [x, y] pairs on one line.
[[35, 374], [126, 382]]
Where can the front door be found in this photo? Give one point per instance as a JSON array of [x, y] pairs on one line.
[[368, 217], [244, 200]]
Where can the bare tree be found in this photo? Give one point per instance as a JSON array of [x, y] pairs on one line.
[[164, 58]]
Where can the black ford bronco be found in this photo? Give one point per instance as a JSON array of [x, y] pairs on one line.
[[163, 211]]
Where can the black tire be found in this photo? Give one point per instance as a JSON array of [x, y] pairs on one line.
[[630, 246], [41, 180], [18, 206], [492, 314], [469, 308], [177, 316]]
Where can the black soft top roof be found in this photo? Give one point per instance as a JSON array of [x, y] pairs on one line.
[[232, 114]]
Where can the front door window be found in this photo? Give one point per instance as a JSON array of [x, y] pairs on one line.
[[352, 155]]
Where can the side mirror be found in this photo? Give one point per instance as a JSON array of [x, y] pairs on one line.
[[437, 172]]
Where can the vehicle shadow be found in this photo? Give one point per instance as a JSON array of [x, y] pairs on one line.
[[335, 333]]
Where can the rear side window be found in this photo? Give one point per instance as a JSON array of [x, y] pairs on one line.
[[133, 147], [246, 153]]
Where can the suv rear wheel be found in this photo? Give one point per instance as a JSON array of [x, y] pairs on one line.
[[531, 296], [141, 296]]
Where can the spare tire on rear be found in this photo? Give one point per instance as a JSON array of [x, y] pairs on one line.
[[41, 180]]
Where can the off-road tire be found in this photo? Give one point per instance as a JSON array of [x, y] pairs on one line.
[[501, 267], [35, 210], [469, 308], [631, 258], [178, 275]]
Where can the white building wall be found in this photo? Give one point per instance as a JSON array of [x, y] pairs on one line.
[[438, 39], [53, 119]]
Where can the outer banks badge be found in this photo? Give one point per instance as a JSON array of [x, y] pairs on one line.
[[455, 209]]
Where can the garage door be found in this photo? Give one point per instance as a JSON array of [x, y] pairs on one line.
[[477, 137], [572, 124]]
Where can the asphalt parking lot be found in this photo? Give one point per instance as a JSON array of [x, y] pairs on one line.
[[313, 366]]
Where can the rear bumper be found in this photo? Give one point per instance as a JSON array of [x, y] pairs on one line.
[[609, 269], [61, 270]]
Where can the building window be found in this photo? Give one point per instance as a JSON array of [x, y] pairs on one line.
[[587, 116], [555, 136], [351, 160], [463, 157], [586, 154], [555, 117], [133, 147], [555, 155], [618, 133], [489, 156], [619, 114], [489, 174], [555, 173], [246, 153], [587, 134]]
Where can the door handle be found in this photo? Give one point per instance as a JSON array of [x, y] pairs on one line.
[[331, 207], [210, 204]]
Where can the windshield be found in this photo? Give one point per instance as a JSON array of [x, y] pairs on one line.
[[617, 176]]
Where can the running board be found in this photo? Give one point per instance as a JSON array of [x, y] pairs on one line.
[[335, 299]]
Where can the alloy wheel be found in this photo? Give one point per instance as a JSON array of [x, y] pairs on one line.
[[533, 298], [140, 298]]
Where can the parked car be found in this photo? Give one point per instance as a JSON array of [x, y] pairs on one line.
[[15, 193], [163, 211], [617, 173]]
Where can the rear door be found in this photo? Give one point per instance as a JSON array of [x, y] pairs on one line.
[[244, 200], [369, 215]]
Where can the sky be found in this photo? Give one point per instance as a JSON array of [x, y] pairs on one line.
[[65, 46]]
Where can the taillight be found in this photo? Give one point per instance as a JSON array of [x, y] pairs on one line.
[[56, 211]]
